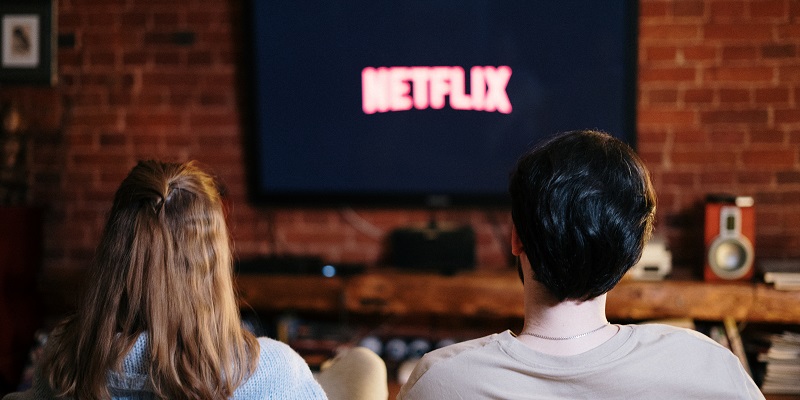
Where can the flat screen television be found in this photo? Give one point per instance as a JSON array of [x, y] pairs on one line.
[[426, 103]]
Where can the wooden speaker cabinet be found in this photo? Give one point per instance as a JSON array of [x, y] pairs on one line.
[[729, 238]]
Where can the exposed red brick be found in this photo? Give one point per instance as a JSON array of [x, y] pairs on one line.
[[774, 197], [210, 99], [176, 139], [137, 120], [789, 73], [727, 137], [738, 53], [678, 178], [738, 31], [212, 119], [95, 119], [769, 8], [695, 8], [739, 74], [69, 22], [653, 9], [699, 53], [698, 96], [165, 18], [134, 58], [225, 80], [95, 161], [113, 139], [668, 75], [652, 136], [167, 58], [772, 95], [133, 19], [689, 136], [734, 116], [773, 158], [779, 51], [667, 32], [660, 53], [202, 58], [788, 177], [717, 178], [69, 59], [754, 177], [768, 218], [727, 9], [170, 79], [663, 96], [699, 157], [734, 95], [788, 31], [666, 117], [767, 136], [790, 115], [651, 157]]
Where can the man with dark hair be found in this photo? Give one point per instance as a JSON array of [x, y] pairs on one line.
[[582, 209]]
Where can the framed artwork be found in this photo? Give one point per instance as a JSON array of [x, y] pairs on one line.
[[27, 42]]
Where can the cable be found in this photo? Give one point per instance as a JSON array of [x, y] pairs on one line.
[[360, 224]]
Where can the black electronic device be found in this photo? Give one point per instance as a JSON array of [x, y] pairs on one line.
[[433, 248], [426, 103]]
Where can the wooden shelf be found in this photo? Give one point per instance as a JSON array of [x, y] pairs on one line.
[[499, 295], [290, 292]]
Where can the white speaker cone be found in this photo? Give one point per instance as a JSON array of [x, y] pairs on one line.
[[730, 257]]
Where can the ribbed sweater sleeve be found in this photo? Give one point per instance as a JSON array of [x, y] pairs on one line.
[[283, 373]]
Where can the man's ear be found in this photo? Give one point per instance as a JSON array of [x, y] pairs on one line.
[[516, 244]]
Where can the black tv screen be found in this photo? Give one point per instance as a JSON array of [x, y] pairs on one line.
[[427, 103]]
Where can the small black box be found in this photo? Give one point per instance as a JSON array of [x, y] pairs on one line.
[[439, 249]]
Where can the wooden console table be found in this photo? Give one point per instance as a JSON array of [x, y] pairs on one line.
[[478, 294]]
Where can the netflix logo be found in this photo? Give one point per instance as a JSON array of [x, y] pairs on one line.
[[401, 88]]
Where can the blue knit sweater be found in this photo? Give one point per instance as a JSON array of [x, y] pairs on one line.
[[281, 374]]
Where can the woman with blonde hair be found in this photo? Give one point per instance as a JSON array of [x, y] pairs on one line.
[[160, 318]]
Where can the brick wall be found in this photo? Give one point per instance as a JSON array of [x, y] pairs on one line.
[[718, 94]]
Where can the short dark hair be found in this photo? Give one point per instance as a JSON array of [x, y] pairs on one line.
[[583, 207]]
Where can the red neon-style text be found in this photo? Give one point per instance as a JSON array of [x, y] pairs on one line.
[[401, 88]]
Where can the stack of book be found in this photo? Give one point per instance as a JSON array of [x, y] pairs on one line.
[[782, 360], [782, 274], [783, 280]]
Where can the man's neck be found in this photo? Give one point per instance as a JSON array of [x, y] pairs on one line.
[[577, 326], [546, 315]]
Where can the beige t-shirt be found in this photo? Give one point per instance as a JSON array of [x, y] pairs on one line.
[[640, 362]]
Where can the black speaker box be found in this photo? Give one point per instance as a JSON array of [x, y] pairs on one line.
[[433, 249]]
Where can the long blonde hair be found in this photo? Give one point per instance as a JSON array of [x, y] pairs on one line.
[[164, 268]]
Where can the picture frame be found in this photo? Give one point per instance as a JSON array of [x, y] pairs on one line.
[[28, 42]]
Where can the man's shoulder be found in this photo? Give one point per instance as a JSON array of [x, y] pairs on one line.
[[668, 335], [458, 361], [462, 349], [693, 353]]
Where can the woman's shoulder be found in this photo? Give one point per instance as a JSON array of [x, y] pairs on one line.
[[282, 372], [273, 351]]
